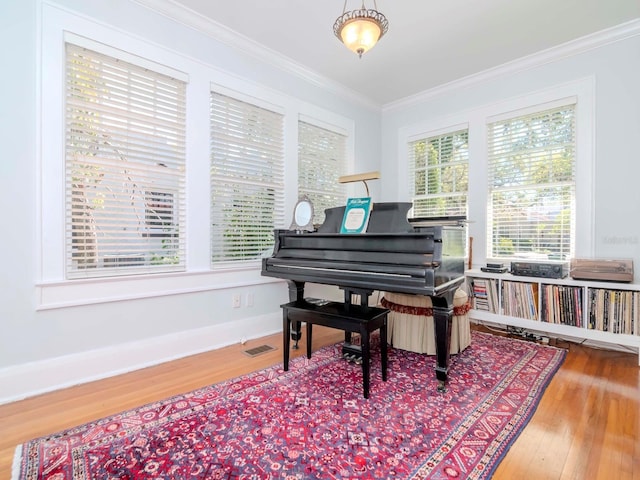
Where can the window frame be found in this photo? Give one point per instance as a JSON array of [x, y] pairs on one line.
[[427, 137], [278, 213], [52, 290], [582, 92], [492, 242], [583, 89], [124, 164]]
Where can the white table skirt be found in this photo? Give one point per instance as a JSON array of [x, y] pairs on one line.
[[415, 332]]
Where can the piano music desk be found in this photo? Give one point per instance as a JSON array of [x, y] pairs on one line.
[[346, 317]]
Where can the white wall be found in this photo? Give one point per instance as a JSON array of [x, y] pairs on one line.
[[44, 344], [610, 62]]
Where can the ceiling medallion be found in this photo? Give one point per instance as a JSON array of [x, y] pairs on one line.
[[360, 29]]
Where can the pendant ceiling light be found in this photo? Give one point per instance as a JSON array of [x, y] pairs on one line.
[[360, 29]]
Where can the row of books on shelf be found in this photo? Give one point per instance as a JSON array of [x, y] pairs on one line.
[[562, 305], [615, 311], [520, 300], [485, 294]]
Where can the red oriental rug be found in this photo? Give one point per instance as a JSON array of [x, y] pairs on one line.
[[312, 422]]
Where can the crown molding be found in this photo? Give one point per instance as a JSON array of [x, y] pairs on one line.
[[554, 54], [237, 41]]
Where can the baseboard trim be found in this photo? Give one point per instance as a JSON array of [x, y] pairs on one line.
[[35, 378]]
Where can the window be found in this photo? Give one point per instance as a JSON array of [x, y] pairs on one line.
[[247, 179], [321, 161], [439, 174], [130, 201], [125, 162], [532, 185]]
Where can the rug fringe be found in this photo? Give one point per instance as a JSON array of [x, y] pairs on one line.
[[15, 466]]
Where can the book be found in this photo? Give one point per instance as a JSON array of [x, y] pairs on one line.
[[356, 215]]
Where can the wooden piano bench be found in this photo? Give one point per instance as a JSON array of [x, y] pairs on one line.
[[349, 318]]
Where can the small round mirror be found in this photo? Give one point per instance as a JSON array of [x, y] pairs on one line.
[[303, 215]]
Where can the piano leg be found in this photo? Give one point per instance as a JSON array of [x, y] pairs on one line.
[[442, 319], [347, 335], [286, 330], [296, 293]]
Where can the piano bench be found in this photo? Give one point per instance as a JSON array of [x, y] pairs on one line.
[[349, 318], [411, 322]]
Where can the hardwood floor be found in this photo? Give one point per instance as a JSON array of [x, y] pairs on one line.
[[586, 427]]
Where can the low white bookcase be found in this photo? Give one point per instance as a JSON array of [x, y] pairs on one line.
[[604, 312]]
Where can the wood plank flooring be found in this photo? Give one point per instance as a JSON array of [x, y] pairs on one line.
[[586, 427]]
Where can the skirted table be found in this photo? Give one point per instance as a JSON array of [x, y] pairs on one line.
[[410, 324]]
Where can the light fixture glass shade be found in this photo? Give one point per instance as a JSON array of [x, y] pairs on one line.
[[360, 34], [360, 29]]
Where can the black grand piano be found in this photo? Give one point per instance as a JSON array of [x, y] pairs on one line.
[[393, 255]]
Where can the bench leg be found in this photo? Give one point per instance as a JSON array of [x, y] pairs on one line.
[[364, 335]]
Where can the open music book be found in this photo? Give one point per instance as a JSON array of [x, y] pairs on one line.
[[356, 215]]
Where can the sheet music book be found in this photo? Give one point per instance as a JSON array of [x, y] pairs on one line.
[[356, 215]]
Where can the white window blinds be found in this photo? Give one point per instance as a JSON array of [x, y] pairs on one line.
[[125, 161], [247, 179], [532, 185], [321, 161], [439, 174]]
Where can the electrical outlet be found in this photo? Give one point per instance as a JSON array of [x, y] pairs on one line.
[[235, 300], [249, 299]]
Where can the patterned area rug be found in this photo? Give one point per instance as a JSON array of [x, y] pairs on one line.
[[312, 422]]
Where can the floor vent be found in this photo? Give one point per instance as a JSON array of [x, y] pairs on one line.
[[254, 352]]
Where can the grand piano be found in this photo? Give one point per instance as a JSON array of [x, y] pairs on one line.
[[393, 255]]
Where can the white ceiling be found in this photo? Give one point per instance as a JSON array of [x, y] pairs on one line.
[[429, 42]]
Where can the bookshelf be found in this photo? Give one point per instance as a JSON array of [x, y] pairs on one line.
[[603, 312]]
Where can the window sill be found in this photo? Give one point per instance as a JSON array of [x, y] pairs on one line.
[[73, 293]]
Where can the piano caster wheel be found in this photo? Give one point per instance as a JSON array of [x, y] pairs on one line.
[[442, 386], [358, 360]]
